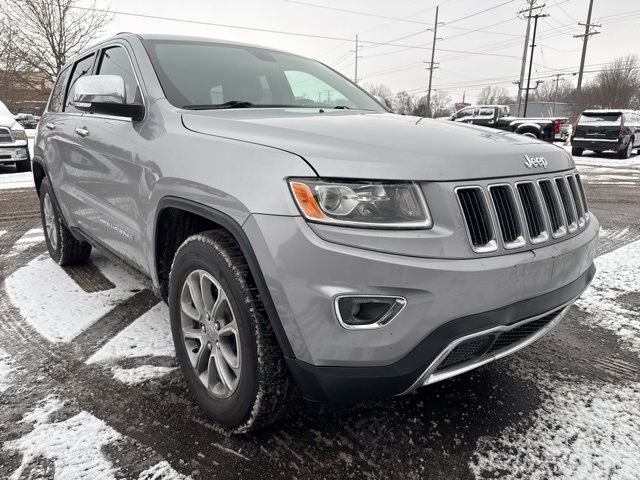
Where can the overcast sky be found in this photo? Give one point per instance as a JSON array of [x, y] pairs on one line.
[[496, 35]]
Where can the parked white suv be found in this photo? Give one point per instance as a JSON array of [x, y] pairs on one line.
[[13, 141]]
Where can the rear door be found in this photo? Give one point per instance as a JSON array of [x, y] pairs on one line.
[[110, 181]]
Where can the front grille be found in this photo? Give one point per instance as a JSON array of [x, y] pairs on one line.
[[550, 207], [550, 201], [567, 203], [477, 218], [532, 209], [507, 213], [5, 136], [476, 348], [577, 199]]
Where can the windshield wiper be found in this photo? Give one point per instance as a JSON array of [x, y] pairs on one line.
[[220, 106], [341, 107]]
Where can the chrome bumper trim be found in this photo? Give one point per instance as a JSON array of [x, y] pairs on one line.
[[429, 376]]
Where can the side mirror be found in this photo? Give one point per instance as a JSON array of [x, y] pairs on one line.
[[104, 94]]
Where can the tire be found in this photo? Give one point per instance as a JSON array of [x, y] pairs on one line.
[[63, 248], [576, 151], [530, 134], [598, 152], [23, 166], [626, 151], [234, 336]]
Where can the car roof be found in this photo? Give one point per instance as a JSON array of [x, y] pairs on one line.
[[611, 110]]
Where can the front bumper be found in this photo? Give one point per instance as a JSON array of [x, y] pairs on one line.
[[446, 299], [14, 152]]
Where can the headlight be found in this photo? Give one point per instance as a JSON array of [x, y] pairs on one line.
[[19, 135], [361, 203]]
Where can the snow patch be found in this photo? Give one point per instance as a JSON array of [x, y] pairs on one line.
[[16, 180], [581, 430], [5, 371], [30, 238], [56, 305], [618, 273], [43, 411], [149, 335], [162, 471], [74, 446], [144, 373]]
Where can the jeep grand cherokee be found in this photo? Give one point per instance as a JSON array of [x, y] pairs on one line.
[[305, 238]]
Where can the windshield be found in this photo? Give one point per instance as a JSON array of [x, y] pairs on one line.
[[600, 117], [201, 75]]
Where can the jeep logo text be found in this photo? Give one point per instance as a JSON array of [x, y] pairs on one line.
[[535, 162]]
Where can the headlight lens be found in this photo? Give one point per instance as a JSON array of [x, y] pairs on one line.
[[361, 203], [19, 135]]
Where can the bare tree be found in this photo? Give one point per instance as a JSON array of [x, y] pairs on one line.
[[49, 32], [490, 95], [403, 103], [441, 105], [379, 90], [616, 86], [546, 92]]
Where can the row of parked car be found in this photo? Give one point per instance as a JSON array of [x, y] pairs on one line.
[[614, 130]]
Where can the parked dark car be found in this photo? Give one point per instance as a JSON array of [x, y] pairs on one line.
[[499, 116], [27, 121], [601, 130]]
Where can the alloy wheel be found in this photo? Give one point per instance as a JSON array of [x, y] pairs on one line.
[[50, 221], [210, 333]]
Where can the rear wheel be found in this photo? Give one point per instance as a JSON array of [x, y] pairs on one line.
[[23, 166], [224, 342], [63, 248], [530, 134], [626, 151], [576, 151]]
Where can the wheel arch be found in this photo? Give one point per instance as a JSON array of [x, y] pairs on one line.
[[529, 128], [181, 218]]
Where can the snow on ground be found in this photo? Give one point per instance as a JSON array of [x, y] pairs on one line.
[[56, 305], [5, 371], [618, 274], [74, 446], [144, 373], [581, 430], [2, 232], [149, 335], [16, 180], [29, 239], [162, 471]]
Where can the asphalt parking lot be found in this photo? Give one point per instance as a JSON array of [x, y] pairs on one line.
[[89, 387]]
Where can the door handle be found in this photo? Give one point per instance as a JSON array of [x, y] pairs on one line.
[[83, 132], [51, 126]]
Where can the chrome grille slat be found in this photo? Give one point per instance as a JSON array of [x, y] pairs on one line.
[[528, 212]]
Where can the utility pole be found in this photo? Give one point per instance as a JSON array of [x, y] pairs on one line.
[[355, 78], [585, 38], [533, 46], [432, 65], [523, 65], [555, 97]]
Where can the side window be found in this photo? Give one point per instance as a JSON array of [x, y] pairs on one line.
[[56, 103], [465, 113], [115, 61], [310, 90], [81, 68]]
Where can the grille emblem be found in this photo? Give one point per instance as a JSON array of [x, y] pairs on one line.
[[535, 162]]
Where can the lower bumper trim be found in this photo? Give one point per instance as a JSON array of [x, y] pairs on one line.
[[344, 385]]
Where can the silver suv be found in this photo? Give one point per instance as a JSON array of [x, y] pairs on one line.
[[306, 239]]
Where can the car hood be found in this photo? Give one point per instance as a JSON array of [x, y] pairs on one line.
[[9, 122], [351, 144]]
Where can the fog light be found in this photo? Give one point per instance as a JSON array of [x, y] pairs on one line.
[[360, 312]]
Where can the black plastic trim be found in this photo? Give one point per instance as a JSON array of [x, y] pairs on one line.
[[245, 245], [344, 385]]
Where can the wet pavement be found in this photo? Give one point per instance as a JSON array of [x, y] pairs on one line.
[[89, 388]]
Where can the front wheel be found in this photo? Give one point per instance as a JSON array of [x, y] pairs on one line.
[[576, 151], [224, 342]]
